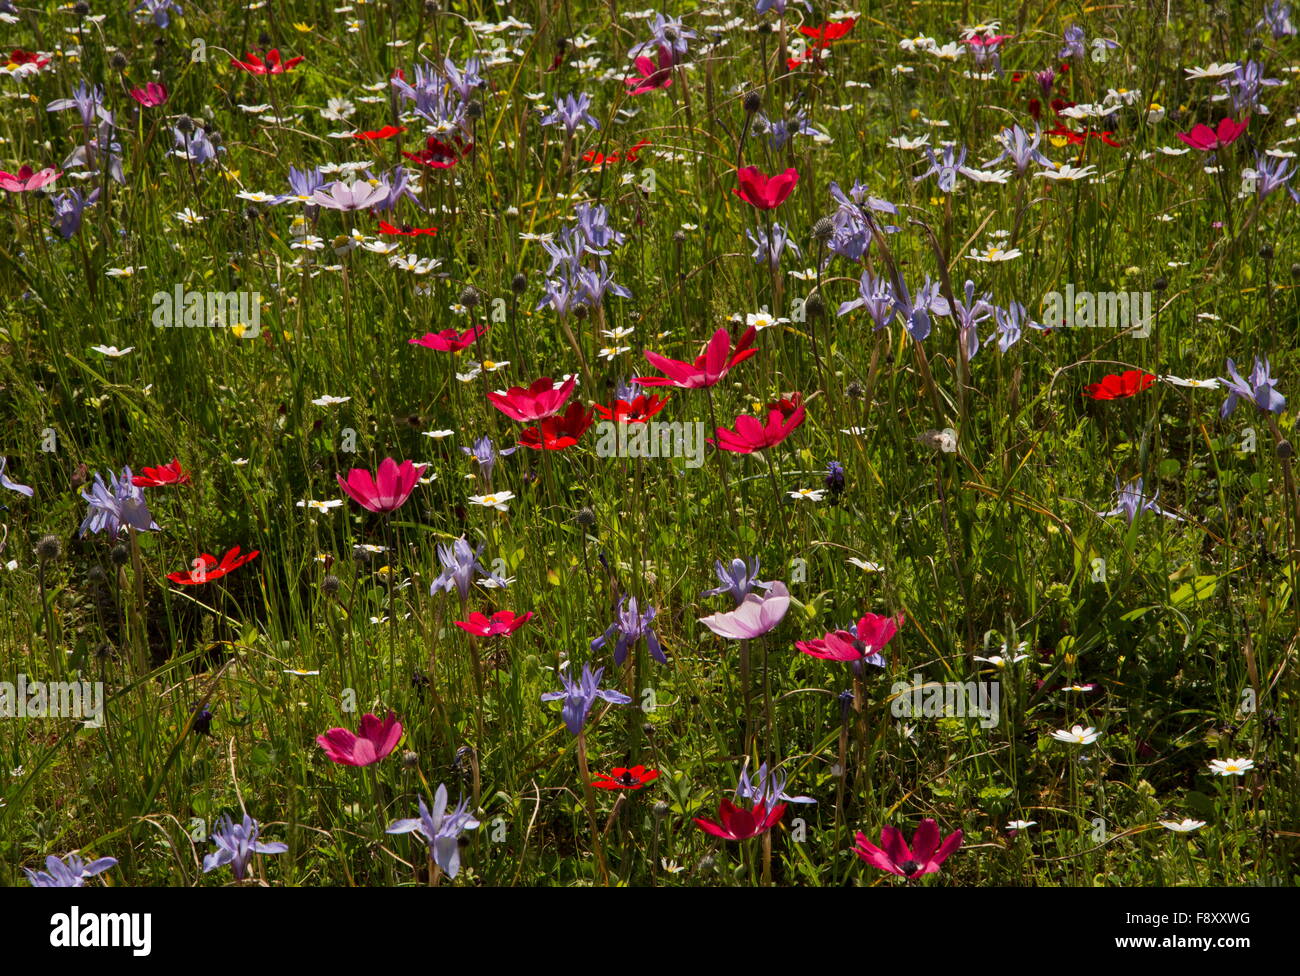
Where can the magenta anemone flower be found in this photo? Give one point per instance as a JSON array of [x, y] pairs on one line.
[[861, 643], [755, 616], [893, 855], [26, 179], [650, 77], [151, 95], [449, 340], [752, 434], [501, 622], [386, 490], [763, 191], [1205, 139], [541, 399], [365, 747], [710, 366], [741, 824]]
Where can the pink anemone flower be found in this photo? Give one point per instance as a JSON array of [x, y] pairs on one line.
[[386, 490], [371, 743]]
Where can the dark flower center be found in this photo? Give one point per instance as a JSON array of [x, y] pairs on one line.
[[910, 868]]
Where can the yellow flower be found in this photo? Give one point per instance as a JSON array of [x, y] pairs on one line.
[[304, 28]]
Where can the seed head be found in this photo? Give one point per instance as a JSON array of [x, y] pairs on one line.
[[50, 547]]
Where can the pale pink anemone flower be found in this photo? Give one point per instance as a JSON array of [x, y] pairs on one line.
[[386, 490], [371, 743], [925, 856], [27, 179], [755, 616], [357, 195]]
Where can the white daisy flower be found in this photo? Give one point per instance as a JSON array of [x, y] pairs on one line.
[[1185, 826], [808, 494], [763, 319], [1077, 735], [1214, 70], [994, 254], [1231, 767], [1210, 384], [499, 500], [324, 506], [1064, 171]]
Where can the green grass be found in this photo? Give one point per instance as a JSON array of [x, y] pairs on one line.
[[1188, 629]]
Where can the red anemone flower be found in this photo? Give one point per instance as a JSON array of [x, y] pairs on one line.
[[365, 747], [829, 31], [19, 56], [924, 857], [625, 778], [598, 159], [206, 568], [710, 366], [501, 622], [740, 824], [1118, 386], [535, 402], [387, 132], [753, 435], [406, 230], [639, 410], [449, 340], [271, 66], [1078, 138], [166, 474], [437, 154], [558, 432], [763, 191]]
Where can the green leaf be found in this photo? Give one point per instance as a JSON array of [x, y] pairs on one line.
[[1200, 588]]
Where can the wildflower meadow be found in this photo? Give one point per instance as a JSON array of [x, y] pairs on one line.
[[731, 443]]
